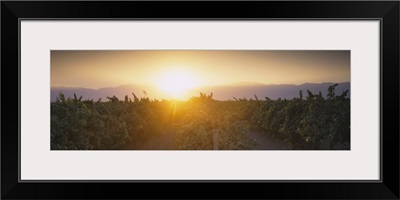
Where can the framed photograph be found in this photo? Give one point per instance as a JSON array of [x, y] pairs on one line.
[[290, 96]]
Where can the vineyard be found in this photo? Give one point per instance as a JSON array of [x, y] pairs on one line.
[[201, 123]]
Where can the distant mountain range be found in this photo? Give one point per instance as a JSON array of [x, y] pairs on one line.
[[220, 92]]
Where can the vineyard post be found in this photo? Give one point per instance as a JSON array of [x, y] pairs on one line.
[[215, 139], [215, 135]]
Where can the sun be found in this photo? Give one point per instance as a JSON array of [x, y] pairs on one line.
[[175, 83]]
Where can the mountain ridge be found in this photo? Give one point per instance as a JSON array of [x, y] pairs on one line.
[[220, 92]]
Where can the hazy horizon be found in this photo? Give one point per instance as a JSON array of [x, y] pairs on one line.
[[239, 83], [173, 73], [222, 92]]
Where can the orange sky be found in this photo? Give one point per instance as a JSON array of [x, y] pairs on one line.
[[96, 69]]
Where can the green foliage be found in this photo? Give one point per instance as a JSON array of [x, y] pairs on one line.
[[206, 117], [124, 124], [304, 124], [77, 124]]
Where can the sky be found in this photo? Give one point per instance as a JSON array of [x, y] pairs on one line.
[[97, 68]]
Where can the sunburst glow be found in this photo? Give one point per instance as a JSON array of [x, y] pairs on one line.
[[176, 83]]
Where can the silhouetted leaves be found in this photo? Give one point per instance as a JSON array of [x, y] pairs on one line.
[[117, 124]]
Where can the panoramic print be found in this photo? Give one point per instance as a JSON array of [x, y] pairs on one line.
[[200, 100]]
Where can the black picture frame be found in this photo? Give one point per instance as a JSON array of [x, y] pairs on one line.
[[13, 11]]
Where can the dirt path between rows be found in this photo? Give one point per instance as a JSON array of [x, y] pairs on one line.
[[163, 141], [265, 142], [166, 141]]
